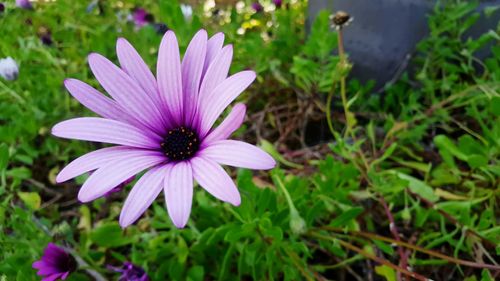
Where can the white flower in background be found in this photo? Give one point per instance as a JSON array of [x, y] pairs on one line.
[[8, 69], [187, 11]]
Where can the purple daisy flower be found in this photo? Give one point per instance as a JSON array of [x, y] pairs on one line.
[[278, 3], [24, 4], [257, 7], [55, 263], [164, 125], [131, 272], [141, 17]]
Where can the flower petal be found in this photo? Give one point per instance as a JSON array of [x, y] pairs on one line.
[[53, 277], [214, 46], [216, 73], [192, 67], [215, 180], [238, 154], [116, 172], [221, 97], [178, 190], [94, 160], [232, 122], [169, 76], [48, 270], [132, 63], [142, 195], [97, 102], [126, 92], [105, 130]]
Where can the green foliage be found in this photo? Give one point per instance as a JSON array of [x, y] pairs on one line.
[[425, 160]]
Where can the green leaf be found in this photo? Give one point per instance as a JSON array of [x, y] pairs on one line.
[[477, 161], [387, 153], [388, 273], [110, 235], [269, 148], [344, 218], [444, 143], [31, 199], [196, 273], [4, 156], [419, 187]]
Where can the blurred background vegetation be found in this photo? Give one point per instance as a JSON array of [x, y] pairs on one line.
[[417, 163]]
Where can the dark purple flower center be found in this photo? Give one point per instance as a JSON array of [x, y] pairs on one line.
[[180, 143]]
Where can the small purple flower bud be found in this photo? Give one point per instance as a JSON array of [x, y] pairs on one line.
[[278, 3], [131, 272], [24, 4], [257, 7], [55, 263]]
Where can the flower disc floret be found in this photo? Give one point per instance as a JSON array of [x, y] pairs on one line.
[[180, 144]]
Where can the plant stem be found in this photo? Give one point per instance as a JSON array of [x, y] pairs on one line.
[[343, 63], [373, 236], [449, 217], [403, 262], [371, 256]]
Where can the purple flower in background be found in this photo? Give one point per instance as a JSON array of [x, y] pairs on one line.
[[131, 272], [24, 4], [278, 3], [2, 7], [141, 17], [55, 263], [160, 28], [45, 36], [164, 125], [257, 7]]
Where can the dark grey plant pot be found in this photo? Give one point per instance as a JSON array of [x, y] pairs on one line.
[[384, 33]]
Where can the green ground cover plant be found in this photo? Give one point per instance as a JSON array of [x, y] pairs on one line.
[[400, 185]]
